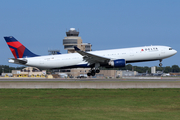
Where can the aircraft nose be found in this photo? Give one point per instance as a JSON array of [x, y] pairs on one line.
[[175, 51]]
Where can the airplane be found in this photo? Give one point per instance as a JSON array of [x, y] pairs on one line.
[[159, 73], [143, 74], [93, 59]]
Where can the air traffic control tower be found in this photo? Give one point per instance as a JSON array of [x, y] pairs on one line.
[[72, 39]]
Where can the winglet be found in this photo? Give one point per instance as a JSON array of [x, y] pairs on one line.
[[76, 48]]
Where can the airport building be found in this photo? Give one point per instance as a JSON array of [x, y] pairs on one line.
[[6, 75], [29, 72], [73, 73], [72, 39], [116, 73], [153, 69]]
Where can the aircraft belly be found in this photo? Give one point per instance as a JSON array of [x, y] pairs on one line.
[[52, 63]]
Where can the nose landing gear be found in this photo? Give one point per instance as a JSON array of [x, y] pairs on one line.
[[160, 64]]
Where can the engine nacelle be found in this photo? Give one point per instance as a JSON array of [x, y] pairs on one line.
[[117, 63]]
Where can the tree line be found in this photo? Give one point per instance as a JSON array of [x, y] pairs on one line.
[[167, 69], [8, 69]]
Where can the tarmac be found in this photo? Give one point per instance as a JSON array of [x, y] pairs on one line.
[[34, 85], [124, 83]]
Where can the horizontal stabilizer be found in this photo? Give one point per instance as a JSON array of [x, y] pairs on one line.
[[18, 61]]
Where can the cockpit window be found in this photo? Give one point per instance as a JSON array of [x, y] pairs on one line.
[[170, 48]]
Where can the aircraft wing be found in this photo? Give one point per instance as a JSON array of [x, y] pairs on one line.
[[91, 58]]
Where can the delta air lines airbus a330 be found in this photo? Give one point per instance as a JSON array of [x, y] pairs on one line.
[[94, 59]]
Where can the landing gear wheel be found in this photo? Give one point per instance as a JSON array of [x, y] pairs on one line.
[[89, 74], [93, 72], [160, 64], [97, 71]]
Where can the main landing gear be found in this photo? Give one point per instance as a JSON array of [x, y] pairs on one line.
[[94, 70], [160, 64]]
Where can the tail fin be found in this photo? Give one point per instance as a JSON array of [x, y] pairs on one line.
[[17, 49]]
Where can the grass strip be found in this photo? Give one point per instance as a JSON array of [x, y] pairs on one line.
[[89, 104]]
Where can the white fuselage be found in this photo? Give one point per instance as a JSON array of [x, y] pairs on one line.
[[136, 54]]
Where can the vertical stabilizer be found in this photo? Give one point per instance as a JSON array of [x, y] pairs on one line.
[[17, 49]]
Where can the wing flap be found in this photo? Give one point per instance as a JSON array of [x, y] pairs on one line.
[[91, 58]]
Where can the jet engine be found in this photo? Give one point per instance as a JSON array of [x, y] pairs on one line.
[[117, 63]]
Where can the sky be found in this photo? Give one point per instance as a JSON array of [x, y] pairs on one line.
[[106, 24]]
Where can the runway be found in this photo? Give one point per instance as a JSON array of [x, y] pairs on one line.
[[80, 85], [130, 79], [32, 83]]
